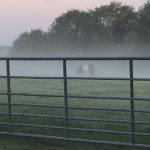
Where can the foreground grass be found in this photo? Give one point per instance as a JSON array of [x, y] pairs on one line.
[[12, 143], [75, 87]]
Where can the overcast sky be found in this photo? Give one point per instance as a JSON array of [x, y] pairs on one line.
[[17, 16]]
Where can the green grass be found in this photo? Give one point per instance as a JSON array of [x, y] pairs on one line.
[[75, 87], [9, 143]]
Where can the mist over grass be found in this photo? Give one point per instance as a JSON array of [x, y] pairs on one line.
[[75, 68]]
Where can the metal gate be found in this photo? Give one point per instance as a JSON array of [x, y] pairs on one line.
[[104, 130]]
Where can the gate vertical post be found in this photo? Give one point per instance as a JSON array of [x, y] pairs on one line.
[[66, 97], [132, 101], [9, 93]]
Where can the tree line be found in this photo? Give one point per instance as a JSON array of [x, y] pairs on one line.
[[103, 26]]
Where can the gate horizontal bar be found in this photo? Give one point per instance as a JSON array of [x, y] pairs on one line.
[[75, 58], [76, 140], [77, 78]]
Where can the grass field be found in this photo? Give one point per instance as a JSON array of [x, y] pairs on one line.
[[75, 87]]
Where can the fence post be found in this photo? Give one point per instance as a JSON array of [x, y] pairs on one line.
[[9, 94], [65, 97], [132, 101]]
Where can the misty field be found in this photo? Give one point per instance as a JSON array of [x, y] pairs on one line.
[[80, 88]]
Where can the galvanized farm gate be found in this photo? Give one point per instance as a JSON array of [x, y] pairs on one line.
[[66, 118]]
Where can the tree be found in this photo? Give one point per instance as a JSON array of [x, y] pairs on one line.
[[36, 39], [117, 18], [143, 26], [68, 28], [22, 42], [29, 41], [77, 28]]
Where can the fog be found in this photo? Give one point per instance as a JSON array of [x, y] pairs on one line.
[[101, 68]]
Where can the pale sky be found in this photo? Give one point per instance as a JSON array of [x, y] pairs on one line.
[[17, 16]]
